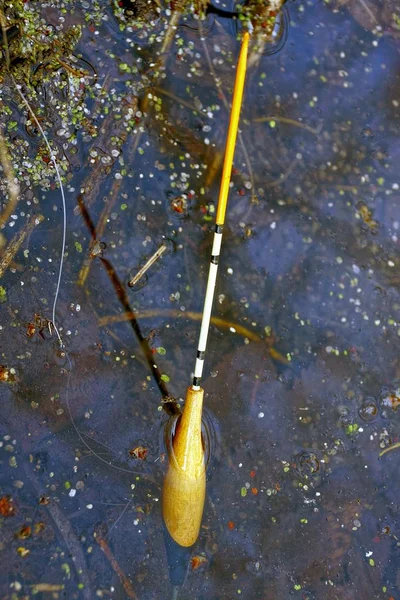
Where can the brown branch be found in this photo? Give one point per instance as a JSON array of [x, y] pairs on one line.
[[129, 591], [194, 316], [17, 241], [95, 232], [389, 449], [283, 177], [13, 187], [288, 121], [171, 407]]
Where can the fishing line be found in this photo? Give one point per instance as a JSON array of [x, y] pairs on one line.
[[56, 296], [64, 232]]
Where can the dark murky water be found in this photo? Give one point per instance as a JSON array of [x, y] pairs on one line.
[[300, 503]]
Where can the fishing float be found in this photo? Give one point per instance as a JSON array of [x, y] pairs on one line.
[[185, 481]]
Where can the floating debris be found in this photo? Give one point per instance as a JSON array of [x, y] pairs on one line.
[[140, 274], [140, 452], [7, 506]]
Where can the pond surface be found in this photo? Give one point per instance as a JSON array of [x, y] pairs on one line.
[[302, 374]]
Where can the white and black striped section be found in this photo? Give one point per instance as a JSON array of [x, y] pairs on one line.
[[208, 303]]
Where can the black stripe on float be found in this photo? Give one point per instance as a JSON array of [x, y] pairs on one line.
[[196, 381], [219, 228], [214, 260], [201, 354]]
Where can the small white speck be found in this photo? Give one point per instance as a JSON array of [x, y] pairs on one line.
[[260, 415], [72, 493]]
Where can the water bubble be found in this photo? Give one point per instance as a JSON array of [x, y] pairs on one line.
[[178, 206], [307, 464], [368, 410], [389, 398]]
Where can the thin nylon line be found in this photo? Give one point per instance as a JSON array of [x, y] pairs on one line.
[[144, 475], [64, 235], [80, 434]]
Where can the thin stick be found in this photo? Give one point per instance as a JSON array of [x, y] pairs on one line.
[[129, 591], [49, 588], [217, 81], [221, 208], [97, 232], [17, 241], [13, 187], [194, 316], [177, 314], [288, 121], [389, 449], [3, 24], [170, 407], [157, 254]]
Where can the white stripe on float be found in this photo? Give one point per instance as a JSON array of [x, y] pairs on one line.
[[208, 302], [216, 248], [198, 368]]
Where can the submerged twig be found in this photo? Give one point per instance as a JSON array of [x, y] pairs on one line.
[[171, 31], [95, 232], [41, 588], [166, 45], [283, 176], [129, 591], [226, 104], [17, 241], [67, 533], [194, 316], [13, 187], [288, 121], [178, 99], [389, 448], [3, 24], [171, 406], [169, 312]]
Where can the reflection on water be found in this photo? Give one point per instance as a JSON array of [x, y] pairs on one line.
[[303, 491]]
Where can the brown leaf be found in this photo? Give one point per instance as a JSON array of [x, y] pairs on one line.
[[7, 506], [140, 452]]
